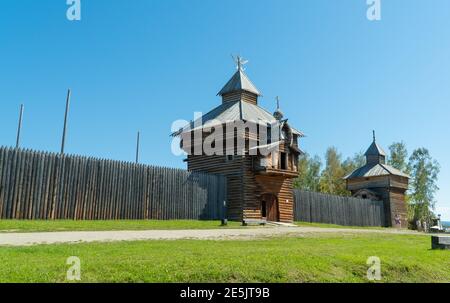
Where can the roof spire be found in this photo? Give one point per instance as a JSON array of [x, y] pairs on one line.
[[240, 62], [278, 113], [375, 154], [239, 81]]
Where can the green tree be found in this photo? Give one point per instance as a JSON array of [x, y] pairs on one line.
[[331, 181], [351, 164], [398, 156], [424, 172], [309, 173]]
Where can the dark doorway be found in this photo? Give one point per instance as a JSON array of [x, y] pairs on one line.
[[269, 208], [264, 209]]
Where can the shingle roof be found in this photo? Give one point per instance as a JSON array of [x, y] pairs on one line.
[[374, 170], [375, 150], [239, 82], [233, 111]]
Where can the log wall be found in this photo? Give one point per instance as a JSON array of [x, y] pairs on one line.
[[323, 208], [36, 185]]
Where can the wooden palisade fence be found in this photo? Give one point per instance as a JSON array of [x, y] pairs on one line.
[[42, 186], [37, 185], [323, 208]]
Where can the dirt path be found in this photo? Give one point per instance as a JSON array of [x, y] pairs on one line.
[[27, 239]]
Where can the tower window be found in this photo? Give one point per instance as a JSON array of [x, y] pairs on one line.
[[269, 134], [283, 160]]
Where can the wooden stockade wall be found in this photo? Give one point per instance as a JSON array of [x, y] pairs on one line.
[[37, 185], [323, 208]]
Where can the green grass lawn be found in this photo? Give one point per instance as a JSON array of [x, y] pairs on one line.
[[314, 258], [325, 225], [68, 225]]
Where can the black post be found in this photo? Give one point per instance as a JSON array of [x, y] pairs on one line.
[[19, 128], [224, 213], [65, 122], [137, 147]]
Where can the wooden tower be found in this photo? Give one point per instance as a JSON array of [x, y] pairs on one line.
[[378, 181], [259, 184]]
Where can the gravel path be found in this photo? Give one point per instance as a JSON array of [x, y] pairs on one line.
[[28, 239]]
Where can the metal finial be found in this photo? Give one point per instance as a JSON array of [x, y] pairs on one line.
[[374, 137], [240, 62], [278, 113]]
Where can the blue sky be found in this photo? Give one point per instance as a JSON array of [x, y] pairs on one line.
[[142, 64]]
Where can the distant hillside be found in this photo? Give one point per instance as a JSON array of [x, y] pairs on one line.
[[446, 223]]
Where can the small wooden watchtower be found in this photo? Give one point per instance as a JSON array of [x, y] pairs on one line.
[[379, 181], [260, 183]]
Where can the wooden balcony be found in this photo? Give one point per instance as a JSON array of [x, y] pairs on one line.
[[278, 172], [270, 171]]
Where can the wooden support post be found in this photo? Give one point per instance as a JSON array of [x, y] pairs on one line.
[[137, 146], [19, 128], [224, 213], [65, 122]]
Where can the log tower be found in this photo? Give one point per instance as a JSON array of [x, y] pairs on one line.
[[379, 181], [260, 171]]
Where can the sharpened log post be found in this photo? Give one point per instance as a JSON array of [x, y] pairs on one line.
[[63, 142], [19, 127]]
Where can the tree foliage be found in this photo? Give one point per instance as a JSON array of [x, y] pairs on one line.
[[309, 173], [351, 164], [398, 156], [331, 180], [424, 172]]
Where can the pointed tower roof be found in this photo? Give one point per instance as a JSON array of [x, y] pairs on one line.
[[239, 81], [375, 149], [375, 164]]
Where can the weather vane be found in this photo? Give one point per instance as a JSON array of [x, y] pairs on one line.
[[240, 62], [278, 101]]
